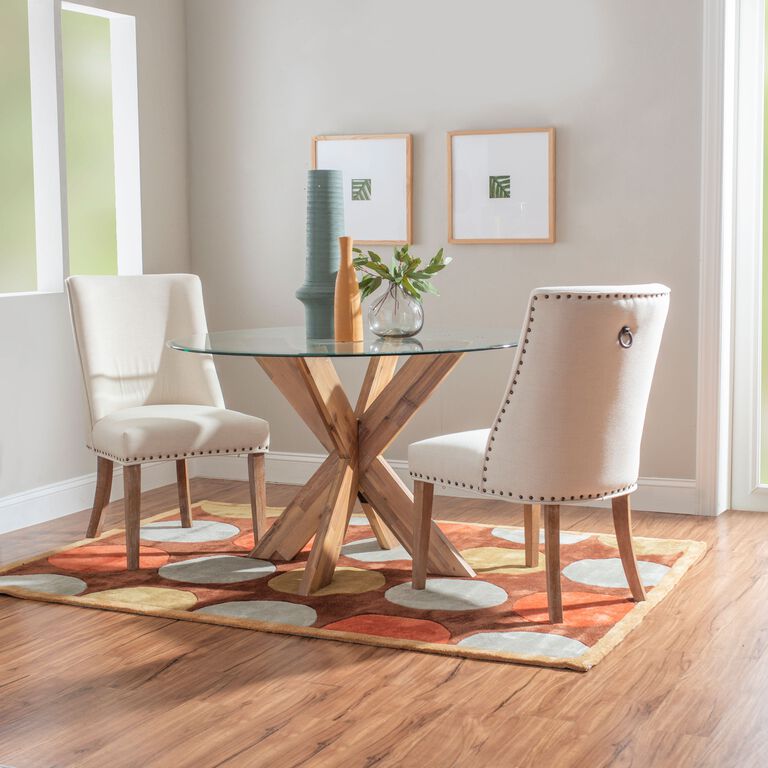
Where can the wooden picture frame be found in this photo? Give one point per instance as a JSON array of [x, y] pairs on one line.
[[397, 229], [536, 178]]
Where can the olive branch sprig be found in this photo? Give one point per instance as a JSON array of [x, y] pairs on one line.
[[404, 271]]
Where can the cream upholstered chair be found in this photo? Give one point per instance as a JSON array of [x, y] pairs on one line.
[[150, 403], [569, 426]]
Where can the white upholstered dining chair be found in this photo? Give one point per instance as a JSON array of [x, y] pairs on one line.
[[147, 402], [569, 425]]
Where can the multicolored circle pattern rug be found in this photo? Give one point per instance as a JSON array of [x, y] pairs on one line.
[[205, 574]]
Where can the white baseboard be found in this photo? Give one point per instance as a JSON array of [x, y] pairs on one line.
[[63, 498], [654, 494]]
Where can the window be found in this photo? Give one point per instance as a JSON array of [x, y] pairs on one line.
[[84, 102], [18, 269], [90, 144], [102, 140]]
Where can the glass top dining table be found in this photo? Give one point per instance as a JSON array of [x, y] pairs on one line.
[[293, 342], [355, 435]]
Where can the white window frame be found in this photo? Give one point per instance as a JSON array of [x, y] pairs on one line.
[[125, 110], [714, 396], [747, 206], [49, 143], [48, 159]]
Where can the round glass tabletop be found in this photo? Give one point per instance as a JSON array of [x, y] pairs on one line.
[[293, 342]]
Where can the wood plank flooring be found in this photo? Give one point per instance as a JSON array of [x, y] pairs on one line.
[[81, 688]]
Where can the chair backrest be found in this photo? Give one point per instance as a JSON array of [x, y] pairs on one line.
[[121, 327], [571, 421]]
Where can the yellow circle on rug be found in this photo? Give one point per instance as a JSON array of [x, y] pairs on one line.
[[346, 581], [500, 560], [144, 597], [645, 546], [239, 511]]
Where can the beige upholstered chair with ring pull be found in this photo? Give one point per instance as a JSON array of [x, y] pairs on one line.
[[147, 402], [569, 426]]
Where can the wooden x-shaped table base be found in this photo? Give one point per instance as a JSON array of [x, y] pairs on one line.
[[355, 439]]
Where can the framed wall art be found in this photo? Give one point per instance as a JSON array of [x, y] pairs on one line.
[[377, 182], [501, 186]]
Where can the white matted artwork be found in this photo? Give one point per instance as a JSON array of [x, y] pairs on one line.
[[377, 172], [501, 186]]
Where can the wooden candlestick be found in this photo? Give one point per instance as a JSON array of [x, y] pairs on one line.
[[348, 312]]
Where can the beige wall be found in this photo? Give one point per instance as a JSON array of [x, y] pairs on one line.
[[41, 406], [620, 80]]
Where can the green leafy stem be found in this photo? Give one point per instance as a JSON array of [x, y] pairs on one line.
[[405, 272]]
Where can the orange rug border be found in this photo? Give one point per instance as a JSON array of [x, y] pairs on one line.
[[693, 551]]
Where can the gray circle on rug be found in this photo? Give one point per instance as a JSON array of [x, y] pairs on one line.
[[171, 531], [609, 572], [358, 520], [50, 583], [517, 535], [369, 551], [526, 644], [274, 611], [448, 595], [217, 569]]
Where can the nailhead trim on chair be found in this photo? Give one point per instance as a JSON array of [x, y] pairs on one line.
[[533, 497], [164, 457], [529, 498]]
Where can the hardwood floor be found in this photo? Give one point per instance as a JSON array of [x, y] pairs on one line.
[[82, 688]]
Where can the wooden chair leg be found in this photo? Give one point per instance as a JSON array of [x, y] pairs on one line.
[[104, 472], [552, 552], [622, 523], [423, 495], [531, 523], [257, 481], [132, 485], [185, 500]]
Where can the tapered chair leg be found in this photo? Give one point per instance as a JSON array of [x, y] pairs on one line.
[[257, 481], [104, 472], [622, 523], [132, 486], [423, 496], [552, 552], [531, 523], [185, 500]]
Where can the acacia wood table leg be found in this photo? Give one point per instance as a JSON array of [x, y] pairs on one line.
[[409, 389], [300, 520], [289, 377], [394, 502], [377, 376], [330, 534], [531, 524], [384, 537], [354, 439]]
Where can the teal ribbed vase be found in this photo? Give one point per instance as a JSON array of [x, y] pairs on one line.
[[325, 225]]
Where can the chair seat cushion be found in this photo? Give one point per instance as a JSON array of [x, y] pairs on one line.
[[153, 432], [455, 459]]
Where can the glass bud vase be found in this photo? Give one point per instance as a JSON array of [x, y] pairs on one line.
[[395, 314]]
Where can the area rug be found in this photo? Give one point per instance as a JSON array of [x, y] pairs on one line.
[[204, 574]]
